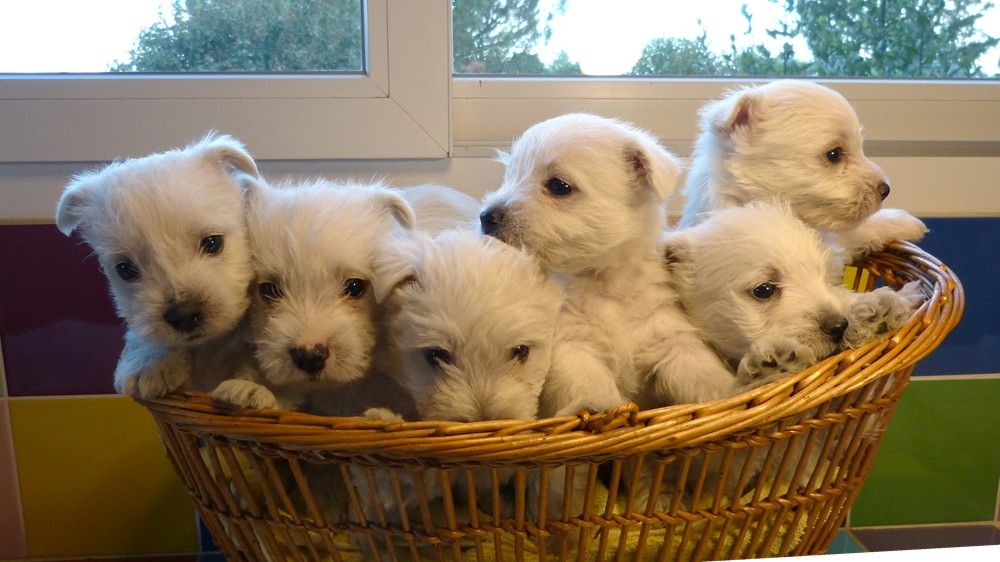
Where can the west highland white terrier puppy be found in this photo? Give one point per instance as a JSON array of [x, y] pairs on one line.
[[585, 194], [469, 329], [170, 234], [764, 290], [439, 208], [798, 142], [313, 313]]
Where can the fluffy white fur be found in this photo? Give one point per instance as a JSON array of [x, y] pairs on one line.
[[720, 267], [774, 142], [313, 313], [620, 334], [761, 286], [176, 221], [439, 208], [469, 329]]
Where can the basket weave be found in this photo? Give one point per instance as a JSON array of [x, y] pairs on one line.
[[253, 476]]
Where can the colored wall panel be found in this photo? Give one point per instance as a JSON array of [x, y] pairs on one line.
[[940, 458], [12, 543], [969, 246], [96, 481], [57, 324]]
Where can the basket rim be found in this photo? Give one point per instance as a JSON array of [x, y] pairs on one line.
[[620, 432]]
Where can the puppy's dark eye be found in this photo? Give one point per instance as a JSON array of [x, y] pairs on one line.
[[212, 244], [520, 353], [355, 288], [435, 356], [765, 291], [558, 187], [835, 154], [269, 291], [127, 271]]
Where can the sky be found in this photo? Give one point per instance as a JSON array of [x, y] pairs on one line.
[[606, 37]]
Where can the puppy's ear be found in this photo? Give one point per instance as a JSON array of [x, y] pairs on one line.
[[655, 167], [397, 262], [252, 188], [400, 210], [229, 152], [734, 115], [677, 253], [76, 197], [502, 157]]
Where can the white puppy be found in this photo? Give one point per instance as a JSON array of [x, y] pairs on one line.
[[439, 208], [802, 143], [313, 315], [585, 194], [469, 328], [169, 231], [764, 289]]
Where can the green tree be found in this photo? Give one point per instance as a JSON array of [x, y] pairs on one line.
[[251, 35], [678, 57], [497, 37], [892, 38], [563, 65]]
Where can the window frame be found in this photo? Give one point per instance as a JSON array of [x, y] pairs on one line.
[[402, 99], [901, 117]]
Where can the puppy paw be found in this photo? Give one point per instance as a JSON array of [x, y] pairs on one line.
[[593, 404], [244, 394], [880, 312], [148, 379], [772, 359], [384, 414]]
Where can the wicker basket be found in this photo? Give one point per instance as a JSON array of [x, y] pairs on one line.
[[771, 472]]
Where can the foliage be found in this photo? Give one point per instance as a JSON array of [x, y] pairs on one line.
[[862, 38], [497, 36], [678, 57], [892, 38], [852, 38], [490, 36], [251, 35]]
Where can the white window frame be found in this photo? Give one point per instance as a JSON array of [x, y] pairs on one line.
[[901, 117], [399, 108]]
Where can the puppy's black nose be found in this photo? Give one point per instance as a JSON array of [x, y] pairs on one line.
[[185, 316], [490, 220], [883, 190], [312, 360], [835, 326]]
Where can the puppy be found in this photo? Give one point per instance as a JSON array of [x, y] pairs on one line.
[[469, 328], [313, 315], [585, 194], [765, 297], [801, 143], [170, 233], [769, 299], [439, 208]]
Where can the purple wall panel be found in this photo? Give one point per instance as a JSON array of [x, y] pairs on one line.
[[57, 324]]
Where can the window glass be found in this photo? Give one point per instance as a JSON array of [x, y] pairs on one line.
[[238, 36], [953, 39]]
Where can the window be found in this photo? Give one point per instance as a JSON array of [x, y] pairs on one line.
[[288, 114], [194, 36], [499, 90], [954, 39]]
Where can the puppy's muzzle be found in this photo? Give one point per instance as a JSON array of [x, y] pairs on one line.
[[491, 221], [311, 360], [834, 327], [185, 316]]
